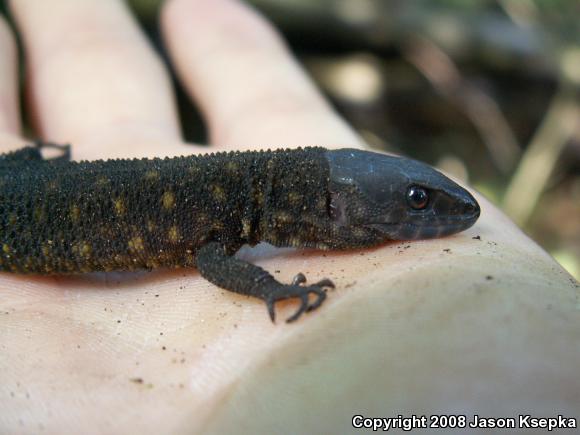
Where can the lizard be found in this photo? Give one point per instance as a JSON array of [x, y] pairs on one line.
[[59, 216]]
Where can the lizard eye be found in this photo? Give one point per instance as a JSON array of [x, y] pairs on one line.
[[417, 197]]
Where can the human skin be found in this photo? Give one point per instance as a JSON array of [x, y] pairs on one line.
[[454, 325]]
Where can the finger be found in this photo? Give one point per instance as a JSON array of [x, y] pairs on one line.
[[9, 111], [249, 88], [94, 78]]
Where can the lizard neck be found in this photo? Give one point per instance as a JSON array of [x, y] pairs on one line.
[[288, 203]]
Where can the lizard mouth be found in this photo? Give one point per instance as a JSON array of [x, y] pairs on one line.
[[427, 229]]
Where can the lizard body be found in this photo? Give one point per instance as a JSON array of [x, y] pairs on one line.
[[63, 217]]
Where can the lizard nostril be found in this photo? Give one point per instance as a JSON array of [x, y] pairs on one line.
[[471, 208]]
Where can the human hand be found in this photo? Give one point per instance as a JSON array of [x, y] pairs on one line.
[[456, 325]]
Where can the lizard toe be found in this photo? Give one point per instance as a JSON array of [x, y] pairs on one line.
[[321, 296], [270, 302], [325, 283], [298, 291], [302, 309]]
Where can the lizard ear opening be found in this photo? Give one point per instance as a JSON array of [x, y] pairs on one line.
[[337, 209]]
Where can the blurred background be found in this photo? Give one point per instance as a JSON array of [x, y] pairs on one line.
[[487, 90]]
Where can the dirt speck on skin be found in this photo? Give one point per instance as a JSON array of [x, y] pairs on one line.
[[489, 277], [350, 284], [476, 237], [447, 250], [136, 380]]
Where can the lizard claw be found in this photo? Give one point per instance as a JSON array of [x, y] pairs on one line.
[[271, 311], [296, 290]]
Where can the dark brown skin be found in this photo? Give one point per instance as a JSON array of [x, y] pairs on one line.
[[62, 217]]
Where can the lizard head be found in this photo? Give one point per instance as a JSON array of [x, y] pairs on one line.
[[374, 197]]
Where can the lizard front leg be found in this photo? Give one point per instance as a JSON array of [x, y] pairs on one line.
[[239, 276]]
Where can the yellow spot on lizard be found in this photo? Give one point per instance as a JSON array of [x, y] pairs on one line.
[[38, 214], [294, 197], [152, 175], [46, 249], [168, 200], [75, 213], [283, 217], [103, 181], [218, 193], [217, 225], [173, 234], [194, 170], [232, 167], [135, 244], [83, 249], [246, 227], [119, 207], [151, 225]]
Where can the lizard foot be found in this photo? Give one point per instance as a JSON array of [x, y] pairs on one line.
[[297, 290]]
